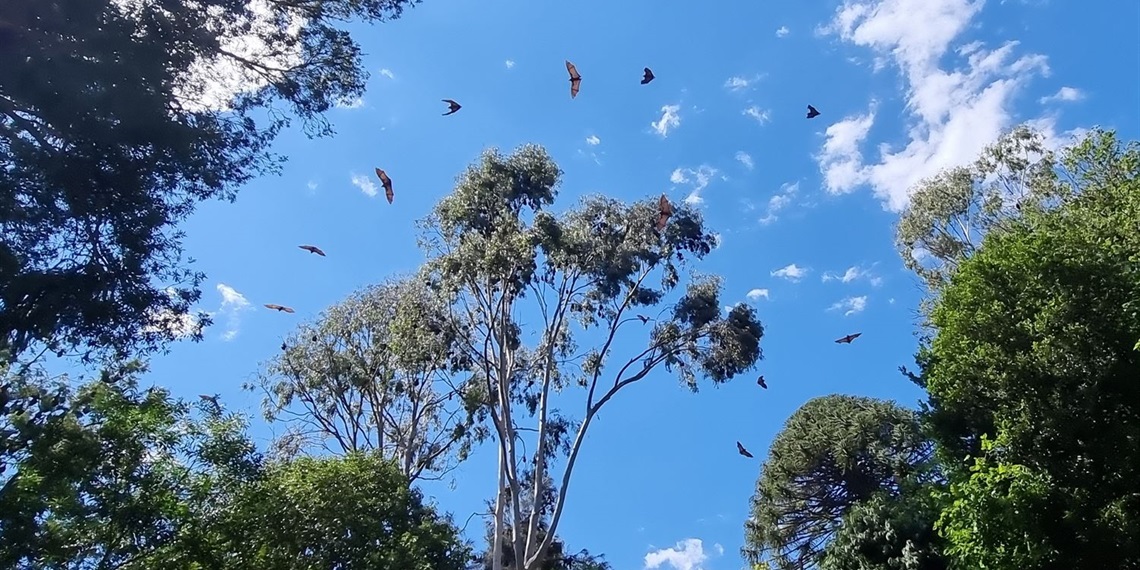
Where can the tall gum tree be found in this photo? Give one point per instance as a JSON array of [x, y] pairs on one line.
[[500, 255], [375, 373]]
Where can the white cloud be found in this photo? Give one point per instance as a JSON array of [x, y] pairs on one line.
[[1065, 94], [791, 272], [740, 83], [387, 73], [365, 184], [779, 201], [745, 159], [853, 273], [850, 305], [955, 113], [756, 294], [840, 160], [698, 178], [757, 113], [593, 140], [688, 554], [510, 63], [782, 31], [233, 304], [670, 119]]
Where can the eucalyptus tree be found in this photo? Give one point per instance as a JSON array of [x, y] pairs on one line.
[[950, 213], [553, 301], [116, 118], [376, 372]]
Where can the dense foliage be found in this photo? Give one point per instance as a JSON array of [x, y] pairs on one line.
[[1032, 370], [116, 118]]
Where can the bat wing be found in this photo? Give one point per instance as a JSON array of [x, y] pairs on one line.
[[318, 251], [574, 75], [575, 85], [648, 76], [273, 307], [287, 310], [388, 193]]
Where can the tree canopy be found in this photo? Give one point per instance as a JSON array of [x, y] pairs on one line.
[[833, 453], [116, 118], [494, 244]]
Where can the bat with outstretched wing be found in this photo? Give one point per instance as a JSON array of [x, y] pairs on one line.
[[761, 383], [847, 339], [647, 76], [453, 106], [740, 449], [387, 184], [575, 79], [664, 211], [812, 113], [281, 308], [312, 249]]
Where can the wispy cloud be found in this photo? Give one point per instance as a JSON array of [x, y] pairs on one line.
[[782, 31], [740, 83], [365, 184], [850, 305], [954, 112], [688, 554], [1065, 94], [593, 140], [757, 113], [745, 159], [387, 73], [853, 273], [698, 179], [312, 186], [510, 63], [791, 272], [757, 294], [233, 305], [670, 119], [779, 201]]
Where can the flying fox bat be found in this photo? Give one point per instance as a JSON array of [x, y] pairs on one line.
[[740, 449], [664, 210], [575, 79], [312, 249], [847, 339], [812, 113], [761, 383], [281, 308], [453, 106], [387, 184], [647, 77]]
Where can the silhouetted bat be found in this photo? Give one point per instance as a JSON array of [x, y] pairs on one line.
[[212, 399], [575, 79], [740, 449], [647, 77], [312, 249], [644, 319], [847, 339], [761, 383], [812, 113], [281, 308], [284, 346], [453, 106], [387, 184], [664, 210]]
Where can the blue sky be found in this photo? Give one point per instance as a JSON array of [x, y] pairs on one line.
[[805, 208]]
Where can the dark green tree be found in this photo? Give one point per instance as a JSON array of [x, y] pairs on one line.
[[889, 532], [1035, 348], [116, 118], [550, 301], [110, 476], [355, 512], [833, 453]]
